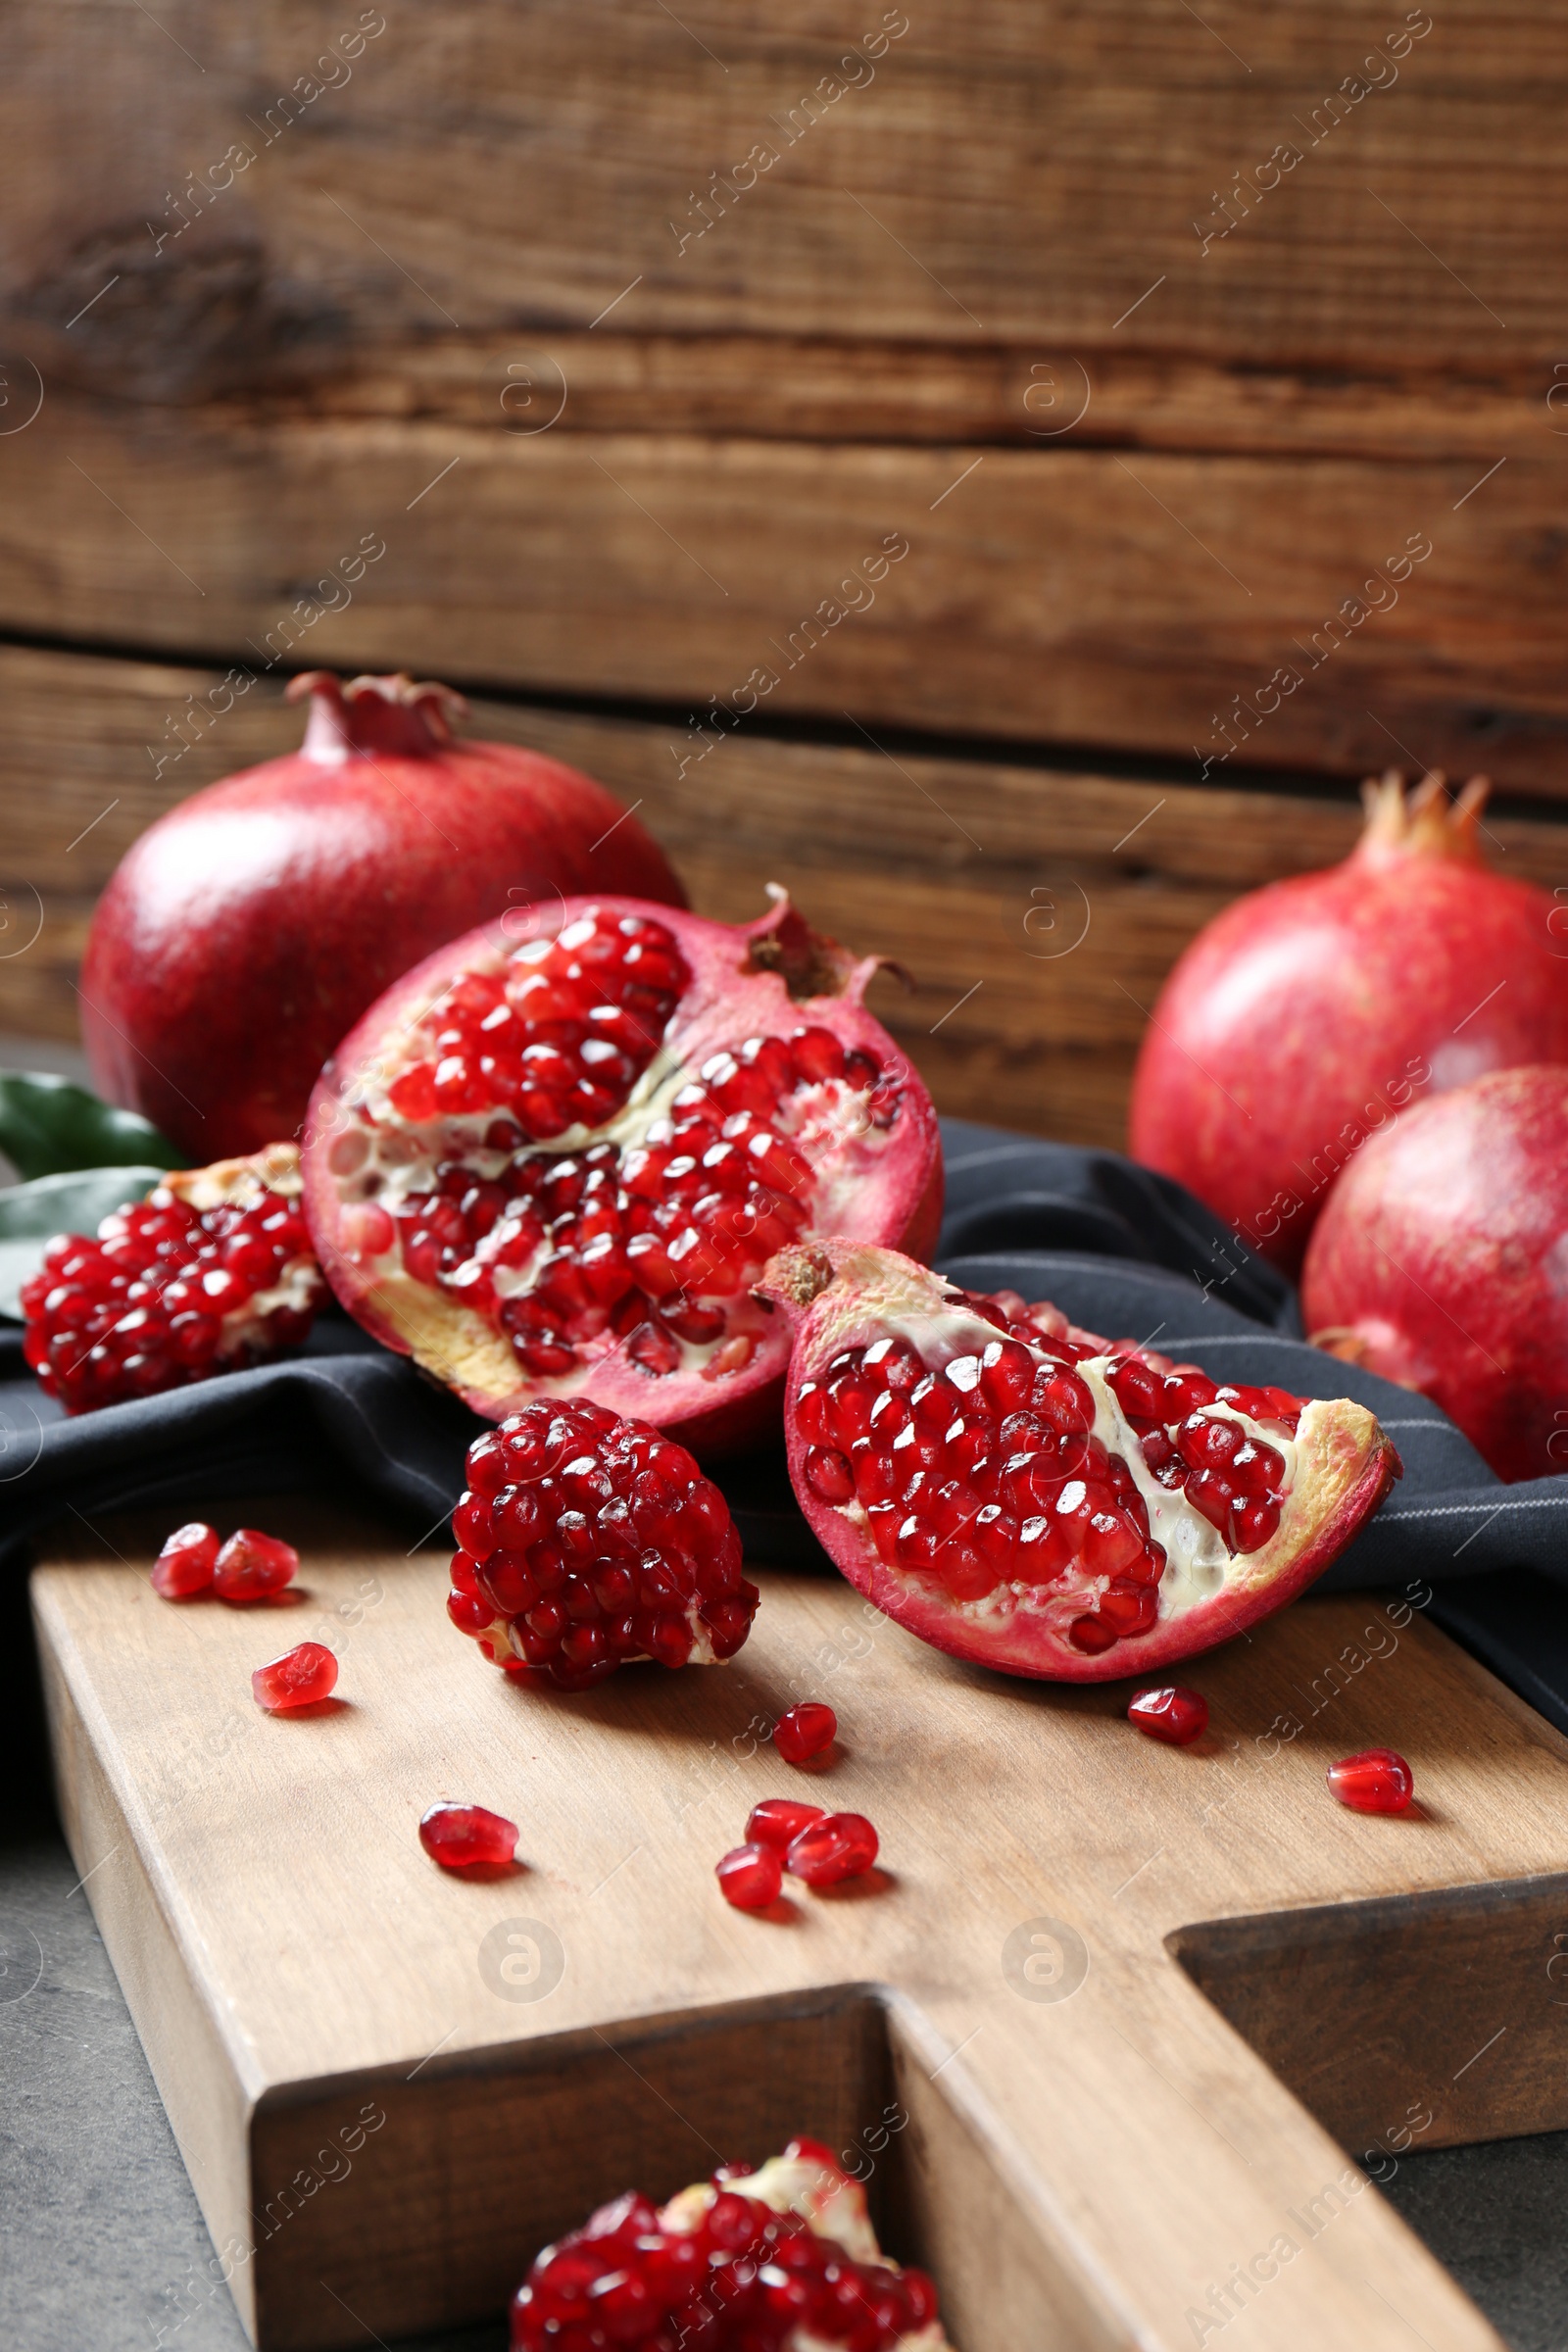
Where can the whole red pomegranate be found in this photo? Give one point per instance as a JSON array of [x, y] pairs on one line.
[[1442, 1261], [1307, 1014], [246, 931], [1035, 1498], [556, 1165]]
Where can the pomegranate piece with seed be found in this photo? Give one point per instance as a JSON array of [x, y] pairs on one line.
[[212, 1271], [298, 1678], [186, 1562], [779, 1820], [251, 1566], [588, 1541], [804, 1732], [750, 1877], [558, 1167], [1378, 1781], [1032, 1497], [841, 1845], [1175, 1715], [770, 2261], [458, 1835]]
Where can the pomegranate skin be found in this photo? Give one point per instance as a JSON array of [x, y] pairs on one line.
[[1308, 1014], [246, 931], [768, 976], [1437, 1262], [842, 1297]]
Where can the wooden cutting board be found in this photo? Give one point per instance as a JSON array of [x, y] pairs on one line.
[[1099, 2037]]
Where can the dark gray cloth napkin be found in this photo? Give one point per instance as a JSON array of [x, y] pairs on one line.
[[1121, 1250]]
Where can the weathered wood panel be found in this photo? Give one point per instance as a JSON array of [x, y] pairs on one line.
[[950, 171], [1154, 603], [1036, 909]]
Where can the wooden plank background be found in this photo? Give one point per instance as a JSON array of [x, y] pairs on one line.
[[1143, 421]]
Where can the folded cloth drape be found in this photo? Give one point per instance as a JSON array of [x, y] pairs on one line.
[[1121, 1250]]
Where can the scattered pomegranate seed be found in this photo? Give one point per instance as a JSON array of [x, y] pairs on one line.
[[185, 1564], [252, 1565], [732, 2265], [1378, 1780], [838, 1846], [1175, 1714], [458, 1835], [298, 1678], [779, 1820], [166, 1293], [804, 1732], [587, 1541], [750, 1877]]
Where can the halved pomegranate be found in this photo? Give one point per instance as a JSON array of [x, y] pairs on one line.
[[211, 1273], [554, 1159], [1032, 1497], [781, 2260]]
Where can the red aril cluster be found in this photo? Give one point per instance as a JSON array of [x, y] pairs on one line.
[[300, 1677], [985, 1471], [212, 1271], [1032, 1497], [562, 1165], [587, 1541], [720, 2270], [647, 1241], [249, 1566], [818, 1847]]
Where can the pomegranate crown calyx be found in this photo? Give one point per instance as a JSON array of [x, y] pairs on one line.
[[395, 716], [1426, 825]]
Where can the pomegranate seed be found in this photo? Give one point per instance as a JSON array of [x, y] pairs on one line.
[[1174, 1714], [298, 1678], [750, 1877], [252, 1565], [185, 1564], [841, 1845], [779, 1820], [804, 1731], [1378, 1780], [458, 1835]]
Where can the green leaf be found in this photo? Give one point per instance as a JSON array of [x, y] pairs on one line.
[[31, 1214], [49, 1123]]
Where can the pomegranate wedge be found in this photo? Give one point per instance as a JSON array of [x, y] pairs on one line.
[[211, 1273], [1035, 1498], [554, 1164], [781, 2260]]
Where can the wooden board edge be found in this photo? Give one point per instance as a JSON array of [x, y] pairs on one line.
[[209, 2107]]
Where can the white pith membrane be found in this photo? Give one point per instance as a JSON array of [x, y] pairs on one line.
[[384, 1159], [1196, 1557], [832, 2205]]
